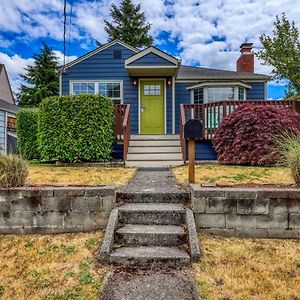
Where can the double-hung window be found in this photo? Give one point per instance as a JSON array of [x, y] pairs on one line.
[[110, 89]]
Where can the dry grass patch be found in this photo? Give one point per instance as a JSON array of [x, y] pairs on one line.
[[231, 175], [56, 267], [51, 175], [234, 268]]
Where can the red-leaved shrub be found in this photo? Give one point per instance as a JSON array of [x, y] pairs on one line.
[[247, 136]]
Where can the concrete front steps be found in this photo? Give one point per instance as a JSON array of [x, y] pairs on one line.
[[154, 151], [150, 233]]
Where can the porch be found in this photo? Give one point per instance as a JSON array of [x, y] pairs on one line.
[[210, 115]]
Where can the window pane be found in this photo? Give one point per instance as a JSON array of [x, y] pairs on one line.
[[83, 88], [220, 94], [198, 96], [110, 89]]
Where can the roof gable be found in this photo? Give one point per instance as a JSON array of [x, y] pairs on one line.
[[144, 58], [5, 88], [99, 49]]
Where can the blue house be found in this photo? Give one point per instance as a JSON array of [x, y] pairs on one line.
[[155, 94]]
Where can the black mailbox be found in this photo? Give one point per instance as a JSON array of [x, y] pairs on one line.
[[193, 129]]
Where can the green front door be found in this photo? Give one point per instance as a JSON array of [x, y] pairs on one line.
[[152, 107]]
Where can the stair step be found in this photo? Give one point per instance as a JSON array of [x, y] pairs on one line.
[[150, 197], [153, 163], [154, 137], [155, 235], [146, 256], [154, 156], [152, 143], [152, 213], [155, 149]]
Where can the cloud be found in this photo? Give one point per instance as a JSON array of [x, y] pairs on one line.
[[15, 65]]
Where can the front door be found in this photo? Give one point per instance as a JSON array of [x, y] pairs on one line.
[[152, 107]]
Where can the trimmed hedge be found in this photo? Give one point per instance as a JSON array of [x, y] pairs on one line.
[[76, 128], [248, 135], [27, 131]]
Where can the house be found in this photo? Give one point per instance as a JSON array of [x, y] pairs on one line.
[[8, 111], [155, 88]]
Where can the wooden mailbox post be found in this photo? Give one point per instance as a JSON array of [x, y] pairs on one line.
[[192, 131]]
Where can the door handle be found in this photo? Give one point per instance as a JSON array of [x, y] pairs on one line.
[[142, 108]]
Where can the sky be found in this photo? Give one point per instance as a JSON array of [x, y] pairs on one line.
[[204, 33]]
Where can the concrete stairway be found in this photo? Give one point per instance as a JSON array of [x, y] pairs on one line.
[[154, 151], [149, 228]]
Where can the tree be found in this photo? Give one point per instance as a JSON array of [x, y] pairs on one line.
[[129, 25], [41, 78], [282, 52]]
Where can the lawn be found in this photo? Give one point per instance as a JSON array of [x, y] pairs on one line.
[[235, 175], [52, 175], [56, 267], [234, 268]]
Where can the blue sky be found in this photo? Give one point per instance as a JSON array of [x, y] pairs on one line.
[[201, 32]]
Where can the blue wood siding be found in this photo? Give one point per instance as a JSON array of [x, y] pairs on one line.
[[257, 92], [151, 59], [102, 66], [182, 96], [169, 108], [204, 151]]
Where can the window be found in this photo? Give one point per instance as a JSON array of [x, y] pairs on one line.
[[215, 94], [111, 90], [152, 89], [117, 54], [11, 124], [198, 96], [83, 88], [242, 93]]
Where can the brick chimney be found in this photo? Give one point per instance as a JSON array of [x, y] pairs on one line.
[[245, 62]]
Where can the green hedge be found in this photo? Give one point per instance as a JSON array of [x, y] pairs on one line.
[[27, 131], [76, 128]]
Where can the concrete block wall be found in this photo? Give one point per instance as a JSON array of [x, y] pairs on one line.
[[55, 209], [251, 212]]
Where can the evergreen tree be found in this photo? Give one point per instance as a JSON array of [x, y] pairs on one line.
[[129, 25], [282, 52], [41, 79]]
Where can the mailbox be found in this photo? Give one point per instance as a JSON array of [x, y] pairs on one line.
[[193, 129]]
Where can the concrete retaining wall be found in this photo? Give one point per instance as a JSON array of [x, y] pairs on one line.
[[273, 213], [55, 210]]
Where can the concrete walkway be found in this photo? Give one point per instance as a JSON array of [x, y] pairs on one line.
[[151, 283]]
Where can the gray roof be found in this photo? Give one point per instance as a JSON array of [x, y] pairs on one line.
[[199, 73], [4, 105]]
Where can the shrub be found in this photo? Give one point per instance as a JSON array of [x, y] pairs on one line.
[[27, 130], [76, 128], [289, 148], [247, 136], [13, 171]]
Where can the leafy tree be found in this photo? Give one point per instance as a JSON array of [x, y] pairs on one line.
[[282, 52], [41, 78], [129, 25]]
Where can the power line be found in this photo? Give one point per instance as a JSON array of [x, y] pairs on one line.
[[65, 21], [70, 26]]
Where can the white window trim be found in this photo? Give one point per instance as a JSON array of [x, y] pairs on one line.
[[71, 82]]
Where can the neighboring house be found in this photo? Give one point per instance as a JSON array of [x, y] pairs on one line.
[[8, 111], [155, 83]]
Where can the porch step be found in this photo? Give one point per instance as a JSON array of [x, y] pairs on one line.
[[154, 156], [154, 143], [150, 235], [154, 137], [146, 255], [154, 149], [153, 163], [152, 213]]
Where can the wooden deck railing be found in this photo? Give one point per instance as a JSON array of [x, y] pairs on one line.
[[122, 126], [211, 115]]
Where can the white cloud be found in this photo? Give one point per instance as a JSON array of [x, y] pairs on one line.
[[15, 65], [194, 24]]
